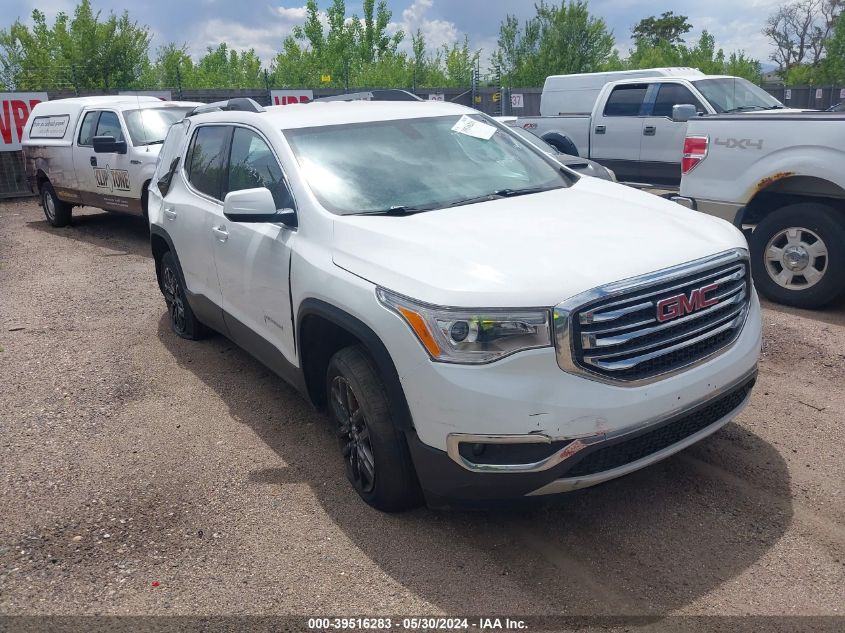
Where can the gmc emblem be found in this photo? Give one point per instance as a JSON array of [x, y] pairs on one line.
[[679, 305]]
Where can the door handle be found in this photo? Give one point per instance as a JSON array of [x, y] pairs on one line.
[[93, 161], [220, 232], [649, 130], [169, 213], [600, 129]]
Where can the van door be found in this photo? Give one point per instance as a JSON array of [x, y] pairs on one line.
[[663, 139], [104, 178], [617, 131]]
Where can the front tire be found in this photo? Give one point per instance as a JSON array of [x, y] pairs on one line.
[[798, 255], [183, 322], [57, 212], [378, 463]]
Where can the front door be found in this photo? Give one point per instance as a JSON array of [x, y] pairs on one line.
[[253, 258], [663, 139], [617, 131], [105, 178]]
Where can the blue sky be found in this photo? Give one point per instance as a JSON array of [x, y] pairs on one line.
[[262, 24]]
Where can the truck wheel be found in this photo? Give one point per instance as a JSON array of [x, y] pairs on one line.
[[182, 319], [378, 463], [57, 212], [798, 255]]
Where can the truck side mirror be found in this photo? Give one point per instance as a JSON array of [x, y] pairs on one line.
[[256, 205], [683, 113], [107, 145]]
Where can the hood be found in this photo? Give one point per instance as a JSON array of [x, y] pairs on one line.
[[527, 251]]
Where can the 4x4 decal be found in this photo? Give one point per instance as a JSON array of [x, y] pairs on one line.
[[740, 143]]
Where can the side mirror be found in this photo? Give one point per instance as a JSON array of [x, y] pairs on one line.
[[256, 205], [683, 113], [107, 145]]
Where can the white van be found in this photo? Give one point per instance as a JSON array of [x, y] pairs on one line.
[[577, 94], [96, 151]]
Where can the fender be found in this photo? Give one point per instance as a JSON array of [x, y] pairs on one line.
[[399, 411], [561, 142]]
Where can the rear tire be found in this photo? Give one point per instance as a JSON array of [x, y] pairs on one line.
[[798, 255], [57, 212], [378, 463], [183, 322]]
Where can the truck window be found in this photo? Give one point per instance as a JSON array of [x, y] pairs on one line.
[[109, 125], [253, 165], [626, 100], [206, 159], [671, 95], [86, 131]]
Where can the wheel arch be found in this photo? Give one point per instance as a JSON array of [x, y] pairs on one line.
[[322, 329], [160, 243], [561, 142], [781, 190]]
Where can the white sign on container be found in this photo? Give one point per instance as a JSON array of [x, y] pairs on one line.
[[842, 93], [286, 97], [14, 111], [436, 97], [787, 94], [517, 101], [818, 93]]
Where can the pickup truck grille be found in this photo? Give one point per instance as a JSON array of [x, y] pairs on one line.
[[643, 328]]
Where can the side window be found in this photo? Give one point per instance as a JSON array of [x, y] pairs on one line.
[[625, 100], [671, 95], [109, 125], [86, 130], [205, 163], [252, 165], [168, 158]]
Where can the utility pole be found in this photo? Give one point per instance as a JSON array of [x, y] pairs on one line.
[[178, 80]]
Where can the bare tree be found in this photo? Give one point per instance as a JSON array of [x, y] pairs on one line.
[[799, 31]]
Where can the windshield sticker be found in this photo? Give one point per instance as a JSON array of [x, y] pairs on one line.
[[49, 126], [476, 129]]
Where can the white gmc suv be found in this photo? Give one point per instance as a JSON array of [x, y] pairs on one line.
[[478, 321]]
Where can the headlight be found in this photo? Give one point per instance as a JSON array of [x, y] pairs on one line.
[[463, 335]]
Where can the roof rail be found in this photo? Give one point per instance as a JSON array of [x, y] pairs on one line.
[[389, 94], [239, 104]]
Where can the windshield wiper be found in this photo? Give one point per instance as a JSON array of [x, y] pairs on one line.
[[397, 210], [501, 193], [744, 108]]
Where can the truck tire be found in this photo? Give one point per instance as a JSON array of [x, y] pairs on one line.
[[57, 212], [378, 463], [561, 143], [183, 322], [798, 255]]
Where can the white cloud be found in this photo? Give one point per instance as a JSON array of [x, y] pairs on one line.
[[436, 32]]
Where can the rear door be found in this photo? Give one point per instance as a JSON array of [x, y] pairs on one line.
[[617, 130], [663, 139]]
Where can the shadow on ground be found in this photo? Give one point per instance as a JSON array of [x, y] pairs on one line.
[[649, 543], [122, 233]]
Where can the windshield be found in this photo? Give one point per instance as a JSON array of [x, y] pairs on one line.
[[416, 164], [149, 125], [734, 94]]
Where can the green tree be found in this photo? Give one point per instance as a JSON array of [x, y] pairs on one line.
[[669, 28], [86, 51], [561, 38], [834, 64], [224, 67]]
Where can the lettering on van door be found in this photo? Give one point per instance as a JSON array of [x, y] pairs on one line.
[[111, 179]]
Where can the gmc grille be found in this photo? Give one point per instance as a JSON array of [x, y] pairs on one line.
[[646, 327]]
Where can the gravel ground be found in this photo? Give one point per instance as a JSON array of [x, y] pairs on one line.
[[144, 474]]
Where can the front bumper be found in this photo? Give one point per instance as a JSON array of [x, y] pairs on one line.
[[450, 477]]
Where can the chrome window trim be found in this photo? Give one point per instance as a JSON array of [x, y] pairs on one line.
[[563, 327]]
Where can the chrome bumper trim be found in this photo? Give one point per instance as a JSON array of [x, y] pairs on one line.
[[578, 443]]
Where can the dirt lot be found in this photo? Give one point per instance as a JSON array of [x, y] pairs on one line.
[[144, 474]]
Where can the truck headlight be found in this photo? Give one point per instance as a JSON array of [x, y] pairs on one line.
[[470, 336]]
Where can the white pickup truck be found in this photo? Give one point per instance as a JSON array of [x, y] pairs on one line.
[[623, 120], [782, 177]]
